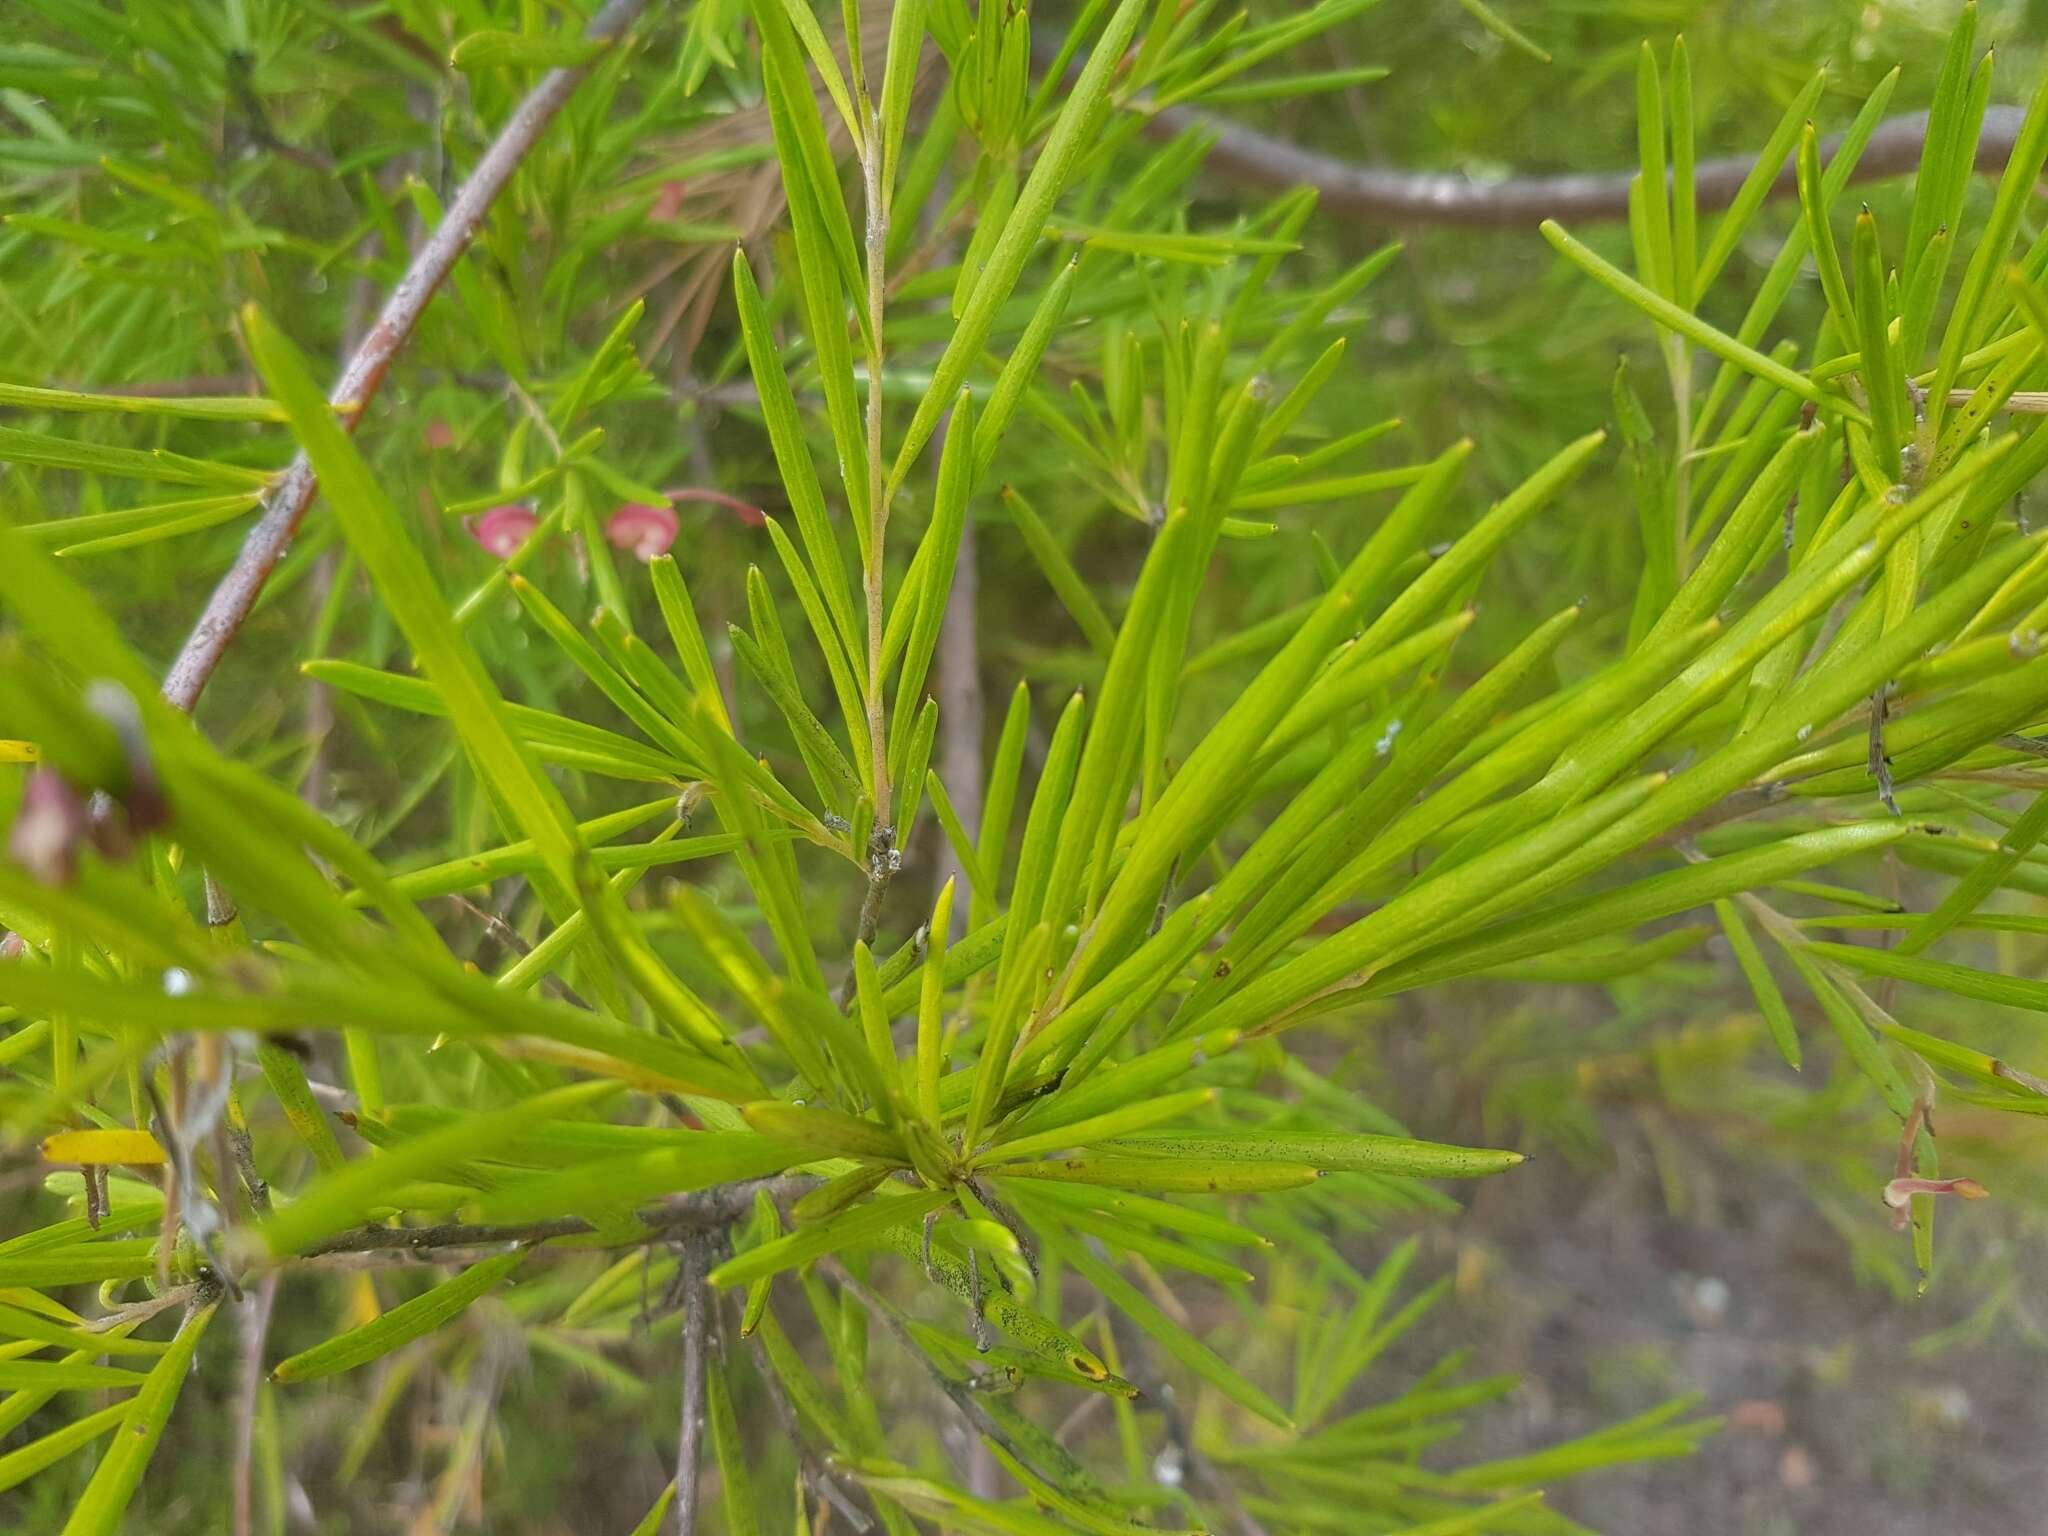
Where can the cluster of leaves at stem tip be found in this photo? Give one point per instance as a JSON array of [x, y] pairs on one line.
[[1024, 1141]]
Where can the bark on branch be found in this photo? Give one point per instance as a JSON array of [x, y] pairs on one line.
[[700, 1210], [1249, 157], [697, 1303], [285, 507]]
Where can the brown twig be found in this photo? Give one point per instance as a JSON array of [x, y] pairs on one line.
[[292, 494], [428, 1258], [2021, 402], [136, 1313], [507, 938]]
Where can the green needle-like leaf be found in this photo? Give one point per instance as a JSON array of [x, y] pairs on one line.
[[100, 1509], [859, 1225], [1690, 326], [405, 1322]]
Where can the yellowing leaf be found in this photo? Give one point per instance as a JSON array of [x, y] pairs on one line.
[[134, 1147]]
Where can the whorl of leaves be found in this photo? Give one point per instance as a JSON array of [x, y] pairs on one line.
[[727, 1081]]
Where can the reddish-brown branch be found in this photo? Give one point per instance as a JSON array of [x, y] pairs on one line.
[[289, 498], [749, 514]]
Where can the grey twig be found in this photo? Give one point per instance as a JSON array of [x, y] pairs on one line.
[[1881, 759], [697, 1211], [962, 1396], [292, 494], [2033, 746], [315, 786], [244, 1155], [1391, 196], [248, 1384], [818, 1476], [1247, 156], [697, 1303], [1201, 1476], [883, 862]]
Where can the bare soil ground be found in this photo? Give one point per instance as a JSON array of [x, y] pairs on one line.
[[1836, 1427]]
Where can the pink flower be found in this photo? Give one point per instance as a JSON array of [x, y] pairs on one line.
[[1899, 1193], [503, 529], [48, 829], [438, 435], [646, 531], [668, 202]]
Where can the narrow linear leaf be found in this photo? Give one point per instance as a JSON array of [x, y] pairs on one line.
[[859, 1225], [100, 1509], [407, 1321]]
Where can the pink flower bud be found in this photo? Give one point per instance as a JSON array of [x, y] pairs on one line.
[[503, 529], [438, 434], [48, 829], [668, 202], [646, 531]]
